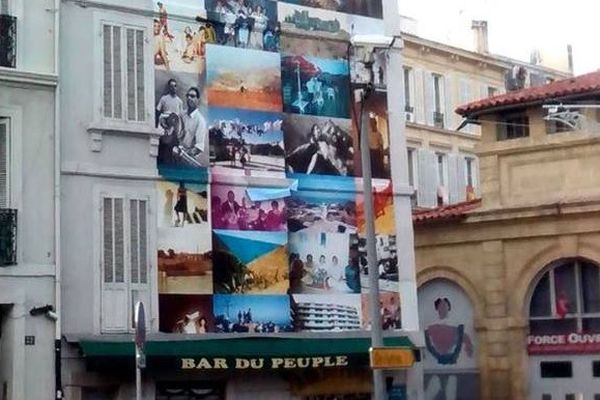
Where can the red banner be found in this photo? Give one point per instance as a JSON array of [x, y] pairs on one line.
[[571, 343]]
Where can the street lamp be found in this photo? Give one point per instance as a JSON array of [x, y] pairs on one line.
[[368, 44]]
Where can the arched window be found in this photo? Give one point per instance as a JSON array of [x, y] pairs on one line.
[[566, 299]]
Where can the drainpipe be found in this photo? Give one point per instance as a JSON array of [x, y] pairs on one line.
[[57, 206]]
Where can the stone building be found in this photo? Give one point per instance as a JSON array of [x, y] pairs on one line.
[[513, 280]]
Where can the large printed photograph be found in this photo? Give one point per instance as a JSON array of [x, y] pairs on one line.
[[180, 117], [250, 262], [322, 313], [245, 23], [322, 204], [243, 78], [387, 261], [190, 315], [389, 309], [320, 263], [324, 24], [246, 142], [184, 239], [368, 8], [318, 146], [315, 86], [235, 207], [252, 314]]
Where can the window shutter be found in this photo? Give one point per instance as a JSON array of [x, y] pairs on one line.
[[454, 178], [427, 170], [428, 102], [138, 242], [119, 241], [465, 97], [4, 160], [449, 101], [419, 99], [139, 71], [476, 182], [108, 71], [131, 76], [117, 74]]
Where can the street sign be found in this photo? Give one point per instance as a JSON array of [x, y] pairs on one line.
[[391, 357]]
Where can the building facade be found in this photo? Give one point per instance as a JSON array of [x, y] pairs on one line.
[[437, 79], [210, 169], [516, 274], [28, 231]]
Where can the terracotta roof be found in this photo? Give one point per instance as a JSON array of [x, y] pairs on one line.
[[445, 213], [582, 84]]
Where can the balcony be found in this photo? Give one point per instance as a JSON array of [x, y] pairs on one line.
[[8, 237], [8, 41]]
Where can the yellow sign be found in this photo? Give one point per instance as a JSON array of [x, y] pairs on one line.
[[391, 357]]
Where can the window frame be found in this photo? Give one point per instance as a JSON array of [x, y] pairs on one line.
[[127, 194], [579, 315], [516, 121], [470, 163], [409, 97], [123, 124], [443, 173]]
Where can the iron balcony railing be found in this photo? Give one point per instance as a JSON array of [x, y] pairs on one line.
[[8, 41], [8, 237]]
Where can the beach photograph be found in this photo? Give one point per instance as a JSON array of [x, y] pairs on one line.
[[246, 142], [251, 314], [250, 262], [254, 84]]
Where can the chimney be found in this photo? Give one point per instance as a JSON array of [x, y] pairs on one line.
[[480, 36], [570, 57]]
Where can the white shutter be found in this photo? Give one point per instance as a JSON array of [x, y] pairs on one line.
[[427, 170], [454, 178], [107, 74], [135, 74], [448, 106], [115, 308], [138, 250], [476, 182], [428, 103], [419, 97], [4, 163], [483, 91]]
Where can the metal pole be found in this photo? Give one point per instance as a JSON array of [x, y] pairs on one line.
[[138, 376], [376, 335]]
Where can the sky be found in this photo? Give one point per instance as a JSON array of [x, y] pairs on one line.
[[249, 117], [264, 308], [515, 26]]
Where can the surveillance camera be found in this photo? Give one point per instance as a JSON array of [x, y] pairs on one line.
[[51, 315], [372, 41]]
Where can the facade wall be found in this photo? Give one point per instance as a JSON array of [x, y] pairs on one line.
[[27, 111]]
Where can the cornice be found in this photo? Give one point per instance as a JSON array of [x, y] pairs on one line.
[[28, 78]]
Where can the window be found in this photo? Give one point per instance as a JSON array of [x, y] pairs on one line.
[[438, 100], [4, 163], [407, 89], [596, 369], [469, 172], [492, 91], [124, 259], [566, 299], [556, 369], [123, 77], [513, 126], [554, 126]]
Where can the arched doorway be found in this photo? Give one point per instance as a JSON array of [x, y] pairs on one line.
[[450, 357], [564, 332]]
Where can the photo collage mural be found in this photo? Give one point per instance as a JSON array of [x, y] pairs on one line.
[[261, 212]]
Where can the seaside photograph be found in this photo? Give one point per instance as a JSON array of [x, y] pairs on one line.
[[252, 84], [252, 314], [323, 313]]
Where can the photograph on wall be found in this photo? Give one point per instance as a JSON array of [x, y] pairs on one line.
[[252, 314], [369, 8], [322, 48], [378, 133], [383, 208], [235, 207], [361, 74], [247, 24], [322, 313], [181, 120], [450, 358], [178, 9], [186, 314], [389, 309], [320, 263], [318, 146], [315, 86], [246, 142], [324, 24], [322, 204], [184, 239], [387, 261], [250, 262], [180, 46], [243, 78]]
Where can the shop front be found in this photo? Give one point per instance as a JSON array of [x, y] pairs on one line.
[[240, 368]]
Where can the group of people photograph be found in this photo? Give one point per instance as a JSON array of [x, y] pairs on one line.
[[246, 215]]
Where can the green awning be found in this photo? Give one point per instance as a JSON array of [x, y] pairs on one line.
[[241, 347]]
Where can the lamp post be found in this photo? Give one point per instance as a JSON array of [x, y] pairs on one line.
[[373, 270]]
